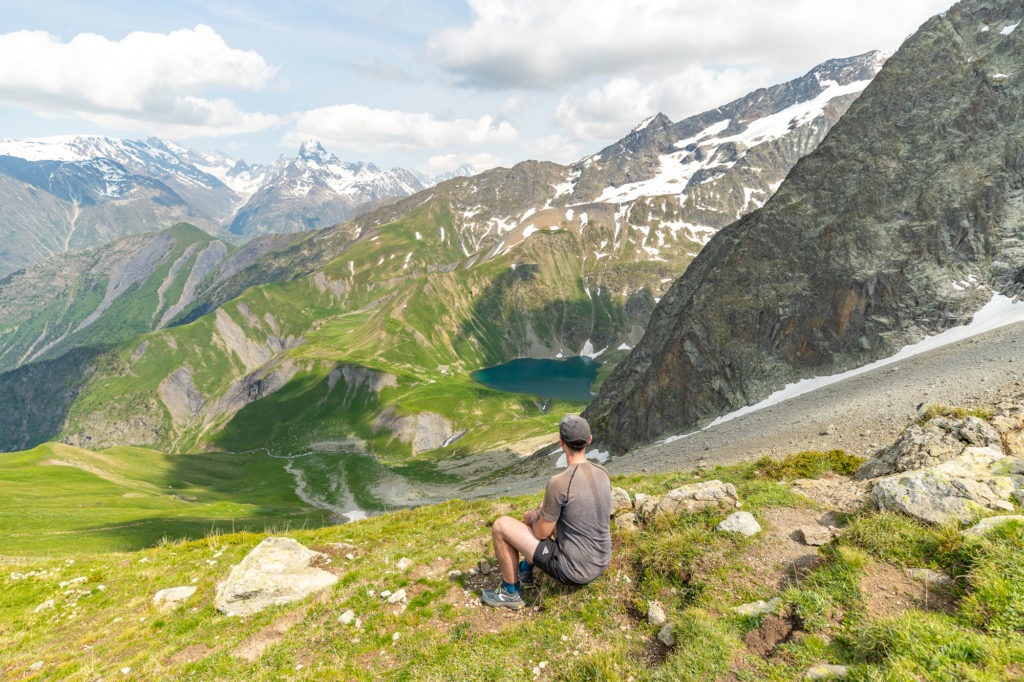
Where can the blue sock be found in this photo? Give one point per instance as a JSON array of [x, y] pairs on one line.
[[509, 587], [525, 566]]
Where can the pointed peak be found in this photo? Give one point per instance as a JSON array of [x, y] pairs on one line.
[[658, 120], [312, 150]]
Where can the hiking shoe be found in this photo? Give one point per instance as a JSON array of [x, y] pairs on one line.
[[500, 597]]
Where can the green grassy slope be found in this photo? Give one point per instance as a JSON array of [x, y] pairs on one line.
[[44, 307], [88, 616]]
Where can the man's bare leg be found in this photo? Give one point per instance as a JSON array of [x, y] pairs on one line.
[[512, 538]]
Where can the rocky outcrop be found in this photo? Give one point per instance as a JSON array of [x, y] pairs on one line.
[[277, 571], [181, 397], [423, 431], [902, 223], [932, 443], [948, 469]]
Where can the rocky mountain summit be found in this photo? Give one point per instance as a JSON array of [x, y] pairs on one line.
[[902, 223]]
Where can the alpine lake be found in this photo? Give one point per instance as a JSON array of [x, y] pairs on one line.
[[568, 379]]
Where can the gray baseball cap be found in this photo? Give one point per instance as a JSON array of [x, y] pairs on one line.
[[574, 429]]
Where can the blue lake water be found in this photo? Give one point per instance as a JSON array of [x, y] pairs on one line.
[[568, 379]]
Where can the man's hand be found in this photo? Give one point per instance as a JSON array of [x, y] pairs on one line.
[[531, 516]]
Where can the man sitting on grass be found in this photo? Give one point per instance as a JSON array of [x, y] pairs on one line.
[[577, 503]]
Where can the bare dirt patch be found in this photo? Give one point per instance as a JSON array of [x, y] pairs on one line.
[[889, 590], [773, 631], [833, 491], [190, 654], [252, 648]]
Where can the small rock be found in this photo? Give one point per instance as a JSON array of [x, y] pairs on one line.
[[473, 571], [985, 525], [454, 573], [172, 597], [38, 665], [828, 430], [125, 671], [404, 563], [929, 576], [485, 567], [626, 521], [536, 670], [395, 637], [45, 606], [620, 500], [656, 614], [757, 608], [825, 671], [385, 594], [665, 636], [743, 523], [816, 536], [347, 617], [398, 596], [542, 665], [350, 556]]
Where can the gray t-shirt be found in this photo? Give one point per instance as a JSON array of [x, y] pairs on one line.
[[580, 500]]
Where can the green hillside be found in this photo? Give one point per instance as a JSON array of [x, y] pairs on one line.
[[92, 615], [370, 353]]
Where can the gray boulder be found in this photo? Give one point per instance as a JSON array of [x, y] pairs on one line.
[[691, 498], [277, 571], [620, 500], [979, 479], [740, 522], [625, 521]]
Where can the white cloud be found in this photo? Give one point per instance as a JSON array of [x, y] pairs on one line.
[[370, 130], [144, 81], [607, 112], [550, 44], [446, 163], [553, 148]]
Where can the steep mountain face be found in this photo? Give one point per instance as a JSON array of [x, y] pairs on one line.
[[69, 193], [316, 189], [903, 222]]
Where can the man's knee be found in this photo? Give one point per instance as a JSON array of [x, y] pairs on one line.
[[502, 525]]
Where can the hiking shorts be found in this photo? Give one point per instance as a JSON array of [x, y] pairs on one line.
[[548, 559]]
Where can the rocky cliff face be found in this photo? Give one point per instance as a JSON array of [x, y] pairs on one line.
[[902, 223]]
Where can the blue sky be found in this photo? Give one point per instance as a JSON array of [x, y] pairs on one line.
[[424, 85]]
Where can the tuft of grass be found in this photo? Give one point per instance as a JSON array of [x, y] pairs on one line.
[[704, 647], [931, 411], [809, 464], [924, 645], [996, 579]]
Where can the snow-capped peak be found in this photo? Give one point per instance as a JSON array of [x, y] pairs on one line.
[[312, 150]]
